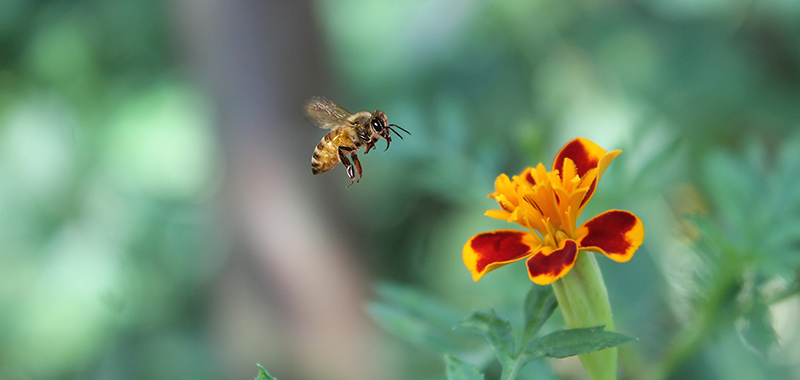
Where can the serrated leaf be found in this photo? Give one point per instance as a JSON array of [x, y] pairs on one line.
[[564, 343], [458, 369], [263, 374], [540, 303], [496, 330]]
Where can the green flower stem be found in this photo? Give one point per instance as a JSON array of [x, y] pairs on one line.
[[583, 299]]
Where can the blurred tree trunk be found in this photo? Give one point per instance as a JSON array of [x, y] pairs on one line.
[[259, 60]]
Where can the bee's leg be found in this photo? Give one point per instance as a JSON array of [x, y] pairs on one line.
[[358, 165], [347, 165]]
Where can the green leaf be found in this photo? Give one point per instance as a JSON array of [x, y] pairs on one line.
[[540, 302], [496, 330], [458, 369], [263, 374], [564, 343]]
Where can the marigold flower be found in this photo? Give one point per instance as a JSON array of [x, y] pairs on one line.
[[548, 204]]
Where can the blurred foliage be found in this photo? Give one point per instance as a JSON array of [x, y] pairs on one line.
[[109, 166], [419, 318], [461, 370], [745, 238]]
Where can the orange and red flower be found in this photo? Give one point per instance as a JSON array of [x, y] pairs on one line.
[[548, 204]]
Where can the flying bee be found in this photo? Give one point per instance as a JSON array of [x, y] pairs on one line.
[[349, 132]]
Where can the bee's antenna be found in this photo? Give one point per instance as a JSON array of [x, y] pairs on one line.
[[400, 128]]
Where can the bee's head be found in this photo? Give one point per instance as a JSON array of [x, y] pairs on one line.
[[382, 128]]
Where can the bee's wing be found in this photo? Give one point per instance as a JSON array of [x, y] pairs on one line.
[[325, 113]]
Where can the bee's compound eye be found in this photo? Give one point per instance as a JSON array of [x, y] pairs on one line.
[[376, 125]]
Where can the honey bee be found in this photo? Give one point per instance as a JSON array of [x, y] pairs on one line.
[[349, 132]]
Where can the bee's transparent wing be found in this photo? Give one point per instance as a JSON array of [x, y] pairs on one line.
[[325, 113]]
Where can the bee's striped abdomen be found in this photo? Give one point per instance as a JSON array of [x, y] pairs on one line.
[[325, 154]]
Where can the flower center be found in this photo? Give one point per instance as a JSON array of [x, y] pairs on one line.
[[547, 201]]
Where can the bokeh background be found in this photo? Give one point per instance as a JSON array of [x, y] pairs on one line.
[[158, 217]]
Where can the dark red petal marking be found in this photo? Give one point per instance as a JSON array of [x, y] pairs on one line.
[[529, 178], [498, 246], [607, 232], [555, 263], [505, 206], [589, 193], [577, 152], [532, 202]]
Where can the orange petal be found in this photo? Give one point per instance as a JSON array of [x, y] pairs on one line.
[[568, 171], [498, 214], [490, 250], [527, 175], [503, 187], [616, 234], [548, 265], [605, 161], [584, 153], [505, 203]]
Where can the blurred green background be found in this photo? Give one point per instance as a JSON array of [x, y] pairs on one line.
[[158, 217]]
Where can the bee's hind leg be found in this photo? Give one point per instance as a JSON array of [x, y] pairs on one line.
[[347, 165], [358, 165]]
